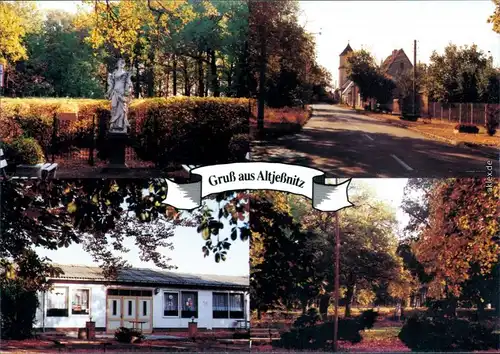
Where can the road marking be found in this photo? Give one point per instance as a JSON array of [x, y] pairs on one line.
[[401, 162], [369, 137]]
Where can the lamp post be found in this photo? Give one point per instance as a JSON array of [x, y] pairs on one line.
[[337, 280]]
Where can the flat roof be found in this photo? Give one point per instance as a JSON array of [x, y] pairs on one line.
[[150, 276]]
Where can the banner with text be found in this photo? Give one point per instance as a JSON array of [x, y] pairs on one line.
[[300, 180]]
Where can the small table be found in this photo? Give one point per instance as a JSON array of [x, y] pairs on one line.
[[135, 324]]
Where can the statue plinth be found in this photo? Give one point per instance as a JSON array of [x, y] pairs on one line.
[[117, 143]]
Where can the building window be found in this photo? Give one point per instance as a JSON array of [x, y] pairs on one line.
[[236, 309], [189, 304], [80, 302], [57, 304], [220, 304], [171, 304], [130, 307], [115, 307], [402, 66], [144, 308]]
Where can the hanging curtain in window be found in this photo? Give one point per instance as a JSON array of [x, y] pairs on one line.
[[236, 302], [220, 302]]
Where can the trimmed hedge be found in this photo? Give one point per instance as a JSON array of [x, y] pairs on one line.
[[190, 130], [467, 128], [440, 334]]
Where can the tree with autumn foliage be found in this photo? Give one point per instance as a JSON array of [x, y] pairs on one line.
[[461, 239], [495, 17]]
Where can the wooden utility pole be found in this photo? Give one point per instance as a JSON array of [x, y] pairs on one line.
[[414, 76], [337, 280]]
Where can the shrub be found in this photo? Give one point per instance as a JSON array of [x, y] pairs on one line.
[[409, 117], [423, 333], [309, 333], [24, 151], [18, 308], [492, 120], [125, 335], [467, 128], [239, 146]]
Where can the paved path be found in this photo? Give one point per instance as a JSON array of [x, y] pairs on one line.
[[343, 143]]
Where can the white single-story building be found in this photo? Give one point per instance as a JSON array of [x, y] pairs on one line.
[[157, 300]]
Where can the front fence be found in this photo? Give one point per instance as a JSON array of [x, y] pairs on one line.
[[85, 145], [463, 113]]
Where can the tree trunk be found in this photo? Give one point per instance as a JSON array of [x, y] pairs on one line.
[[207, 76], [303, 305], [214, 77], [242, 74], [348, 300], [137, 79], [150, 77], [262, 81], [174, 75], [324, 302], [230, 79], [187, 83], [201, 79]]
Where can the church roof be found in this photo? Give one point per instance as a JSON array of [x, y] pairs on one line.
[[347, 49]]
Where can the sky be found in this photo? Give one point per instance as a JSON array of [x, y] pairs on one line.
[[186, 255], [382, 26]]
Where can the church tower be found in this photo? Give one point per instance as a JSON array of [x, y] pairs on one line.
[[343, 65]]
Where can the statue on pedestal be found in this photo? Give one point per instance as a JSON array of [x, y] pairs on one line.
[[119, 92]]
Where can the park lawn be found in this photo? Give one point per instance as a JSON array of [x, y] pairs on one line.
[[442, 129]]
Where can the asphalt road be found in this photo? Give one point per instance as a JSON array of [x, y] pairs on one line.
[[343, 143]]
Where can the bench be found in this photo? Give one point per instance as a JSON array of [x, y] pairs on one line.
[[41, 170]]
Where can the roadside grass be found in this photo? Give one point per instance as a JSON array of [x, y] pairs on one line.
[[441, 128]]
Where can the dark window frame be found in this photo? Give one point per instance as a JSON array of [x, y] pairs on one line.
[[171, 313], [189, 313], [220, 314], [87, 313], [57, 312]]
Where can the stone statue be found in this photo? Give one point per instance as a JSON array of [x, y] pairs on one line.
[[119, 92]]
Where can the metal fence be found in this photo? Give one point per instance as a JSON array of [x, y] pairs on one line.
[[87, 146], [463, 113]]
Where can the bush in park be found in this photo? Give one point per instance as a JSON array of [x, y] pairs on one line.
[[23, 151], [467, 128], [492, 120], [308, 332], [18, 310], [439, 333]]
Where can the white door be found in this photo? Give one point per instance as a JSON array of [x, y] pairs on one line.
[[144, 313], [129, 311], [114, 313]]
